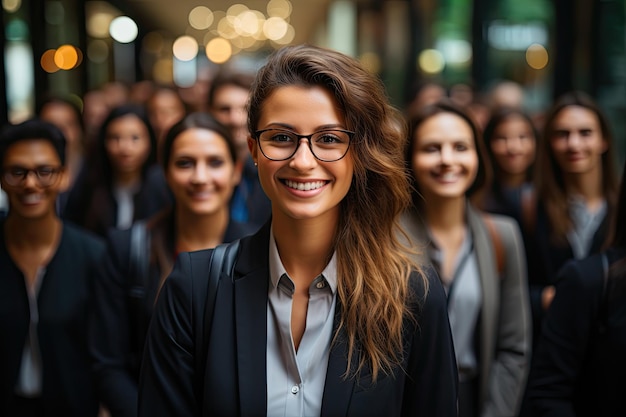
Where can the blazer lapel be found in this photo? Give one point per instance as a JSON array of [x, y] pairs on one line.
[[337, 389], [489, 281], [251, 287]]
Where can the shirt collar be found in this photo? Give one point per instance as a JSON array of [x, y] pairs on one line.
[[277, 270]]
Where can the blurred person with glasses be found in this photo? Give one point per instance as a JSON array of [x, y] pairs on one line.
[[47, 267]]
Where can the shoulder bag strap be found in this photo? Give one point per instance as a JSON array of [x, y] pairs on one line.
[[498, 246], [221, 263], [139, 259]]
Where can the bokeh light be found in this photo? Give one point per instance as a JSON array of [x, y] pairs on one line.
[[11, 6], [123, 29], [98, 25], [431, 61], [201, 18], [219, 50], [537, 56], [275, 28], [47, 61], [185, 48], [66, 57], [279, 8]]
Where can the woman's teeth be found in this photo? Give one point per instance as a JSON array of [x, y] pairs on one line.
[[304, 186]]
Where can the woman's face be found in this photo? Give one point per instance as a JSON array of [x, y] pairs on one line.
[[303, 187], [576, 141], [165, 109], [201, 172], [445, 162], [127, 143], [513, 145]]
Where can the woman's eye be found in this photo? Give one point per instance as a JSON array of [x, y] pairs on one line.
[[216, 163], [328, 138], [430, 149], [183, 163], [461, 147], [281, 137]]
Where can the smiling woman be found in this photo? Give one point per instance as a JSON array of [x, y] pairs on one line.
[[487, 296], [120, 182], [324, 312], [202, 170]]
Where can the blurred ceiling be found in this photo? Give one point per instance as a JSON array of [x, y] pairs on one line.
[[172, 15]]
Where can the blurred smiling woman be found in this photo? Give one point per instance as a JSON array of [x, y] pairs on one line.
[[202, 170]]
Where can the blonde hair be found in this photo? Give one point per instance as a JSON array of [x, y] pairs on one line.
[[373, 266]]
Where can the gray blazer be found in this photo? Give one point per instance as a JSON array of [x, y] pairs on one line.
[[505, 326]]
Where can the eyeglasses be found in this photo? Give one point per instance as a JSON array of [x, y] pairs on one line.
[[46, 176], [326, 145]]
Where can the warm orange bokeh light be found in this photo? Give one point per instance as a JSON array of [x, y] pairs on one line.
[[47, 61], [66, 57]]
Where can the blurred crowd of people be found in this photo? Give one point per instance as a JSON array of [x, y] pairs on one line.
[[523, 217]]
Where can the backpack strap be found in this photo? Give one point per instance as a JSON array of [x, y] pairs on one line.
[[221, 264], [138, 267], [139, 258], [498, 246]]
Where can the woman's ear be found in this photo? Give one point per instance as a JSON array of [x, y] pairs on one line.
[[254, 150]]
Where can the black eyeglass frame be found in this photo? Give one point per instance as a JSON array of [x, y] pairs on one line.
[[257, 136], [54, 175]]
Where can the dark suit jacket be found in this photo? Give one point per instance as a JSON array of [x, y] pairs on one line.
[[234, 381], [64, 300], [121, 316], [96, 209], [545, 256], [580, 363]]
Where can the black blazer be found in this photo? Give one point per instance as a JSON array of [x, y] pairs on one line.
[[580, 363], [96, 209], [234, 382], [546, 257], [64, 300], [121, 316]]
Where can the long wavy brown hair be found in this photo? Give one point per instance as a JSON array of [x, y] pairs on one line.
[[549, 179], [373, 266]]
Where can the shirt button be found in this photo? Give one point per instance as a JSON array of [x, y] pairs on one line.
[[320, 285], [295, 389]]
